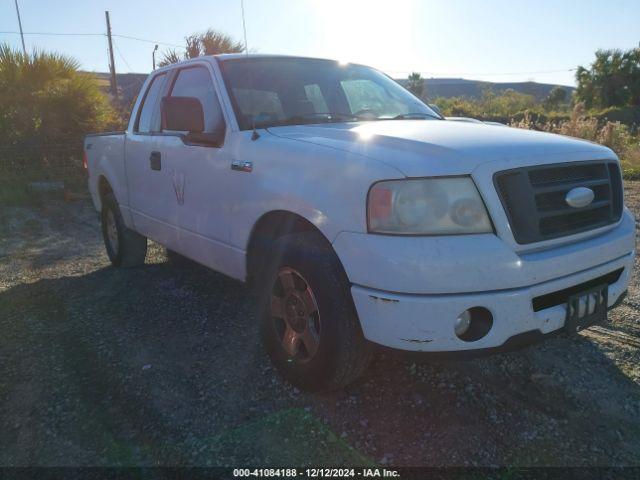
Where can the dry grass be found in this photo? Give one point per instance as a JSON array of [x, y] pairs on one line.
[[615, 135]]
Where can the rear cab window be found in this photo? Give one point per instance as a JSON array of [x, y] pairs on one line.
[[149, 116]]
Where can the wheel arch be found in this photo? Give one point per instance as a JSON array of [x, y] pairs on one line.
[[269, 227], [103, 187]]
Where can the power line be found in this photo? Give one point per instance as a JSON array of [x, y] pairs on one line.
[[404, 73], [115, 45], [53, 34], [87, 34], [486, 74], [149, 41]]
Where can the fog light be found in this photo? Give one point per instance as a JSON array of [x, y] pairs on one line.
[[463, 322], [473, 324]]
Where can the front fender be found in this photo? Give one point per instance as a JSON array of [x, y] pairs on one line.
[[327, 187]]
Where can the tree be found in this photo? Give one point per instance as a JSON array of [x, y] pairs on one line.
[[210, 42], [169, 57], [415, 84], [45, 98], [613, 79], [557, 96]]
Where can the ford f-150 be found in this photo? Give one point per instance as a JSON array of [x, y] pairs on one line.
[[360, 214]]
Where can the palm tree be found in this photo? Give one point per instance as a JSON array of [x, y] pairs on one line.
[[210, 42], [415, 84], [169, 57], [44, 97]]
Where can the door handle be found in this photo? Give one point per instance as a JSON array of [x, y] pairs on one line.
[[242, 166], [155, 161]]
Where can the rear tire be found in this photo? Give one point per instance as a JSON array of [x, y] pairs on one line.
[[310, 328], [125, 247]]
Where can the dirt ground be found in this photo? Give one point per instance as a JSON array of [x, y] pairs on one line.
[[161, 365]]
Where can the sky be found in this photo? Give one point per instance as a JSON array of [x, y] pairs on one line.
[[491, 40]]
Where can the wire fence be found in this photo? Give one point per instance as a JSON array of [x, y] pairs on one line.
[[41, 166]]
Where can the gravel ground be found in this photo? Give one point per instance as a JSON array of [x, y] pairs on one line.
[[161, 365]]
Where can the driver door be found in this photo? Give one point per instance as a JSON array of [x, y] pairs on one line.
[[199, 175]]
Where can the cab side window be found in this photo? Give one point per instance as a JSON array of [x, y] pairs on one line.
[[196, 82], [148, 120]]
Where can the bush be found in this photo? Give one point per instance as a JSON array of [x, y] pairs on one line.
[[627, 115], [619, 137], [491, 106], [44, 98], [46, 107], [631, 174]]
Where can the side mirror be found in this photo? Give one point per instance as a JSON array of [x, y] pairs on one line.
[[182, 114], [208, 139]]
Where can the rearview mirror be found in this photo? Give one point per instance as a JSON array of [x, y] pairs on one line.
[[182, 114]]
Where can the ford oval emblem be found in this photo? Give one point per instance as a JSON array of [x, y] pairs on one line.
[[579, 197]]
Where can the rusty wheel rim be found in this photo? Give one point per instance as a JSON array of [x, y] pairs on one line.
[[295, 314]]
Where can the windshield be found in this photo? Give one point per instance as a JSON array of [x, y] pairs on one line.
[[288, 91]]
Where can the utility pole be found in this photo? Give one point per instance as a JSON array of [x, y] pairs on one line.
[[112, 64], [24, 49], [153, 55]]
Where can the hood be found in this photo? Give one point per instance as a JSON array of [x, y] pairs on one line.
[[437, 147]]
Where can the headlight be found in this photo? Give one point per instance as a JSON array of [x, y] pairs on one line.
[[428, 206]]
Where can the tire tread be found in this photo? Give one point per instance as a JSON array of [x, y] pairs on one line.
[[132, 246]]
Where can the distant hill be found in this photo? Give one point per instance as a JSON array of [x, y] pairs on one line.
[[459, 87], [129, 85]]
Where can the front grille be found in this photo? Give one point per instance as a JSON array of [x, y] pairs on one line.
[[534, 199]]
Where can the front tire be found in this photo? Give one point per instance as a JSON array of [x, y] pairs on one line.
[[125, 247], [310, 328]]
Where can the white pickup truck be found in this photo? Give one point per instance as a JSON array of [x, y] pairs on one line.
[[362, 216]]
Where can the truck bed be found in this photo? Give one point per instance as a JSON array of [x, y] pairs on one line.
[[105, 152]]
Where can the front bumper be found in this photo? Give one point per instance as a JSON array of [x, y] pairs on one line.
[[426, 322], [440, 277]]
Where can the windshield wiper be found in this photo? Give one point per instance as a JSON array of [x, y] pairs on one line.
[[312, 117], [307, 116], [414, 116]]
